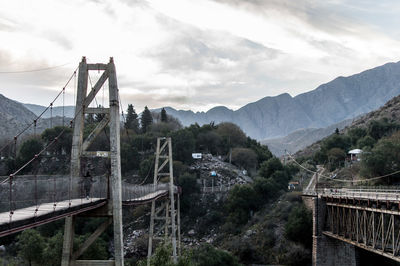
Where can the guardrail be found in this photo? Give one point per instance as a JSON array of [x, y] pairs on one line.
[[370, 193]]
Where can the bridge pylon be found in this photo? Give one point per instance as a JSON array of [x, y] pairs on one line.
[[113, 209], [165, 215]]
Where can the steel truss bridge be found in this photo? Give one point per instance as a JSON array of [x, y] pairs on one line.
[[366, 218]]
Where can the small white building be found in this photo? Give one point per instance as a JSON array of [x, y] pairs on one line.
[[355, 155]]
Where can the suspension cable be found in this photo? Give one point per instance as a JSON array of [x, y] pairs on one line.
[[123, 117], [344, 180], [39, 116]]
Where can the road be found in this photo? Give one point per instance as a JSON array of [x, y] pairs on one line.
[[313, 182]]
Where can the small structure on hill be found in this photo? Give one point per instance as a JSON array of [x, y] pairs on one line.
[[355, 155], [293, 185]]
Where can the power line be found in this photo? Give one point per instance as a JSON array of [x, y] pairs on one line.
[[34, 70], [344, 180]]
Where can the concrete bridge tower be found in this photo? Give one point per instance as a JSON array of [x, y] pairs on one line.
[[113, 209]]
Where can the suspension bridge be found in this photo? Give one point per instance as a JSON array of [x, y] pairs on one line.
[[27, 201]]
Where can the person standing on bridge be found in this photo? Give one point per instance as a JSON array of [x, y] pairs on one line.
[[87, 181]]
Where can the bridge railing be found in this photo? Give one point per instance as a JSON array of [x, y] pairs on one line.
[[33, 190], [379, 193], [143, 193]]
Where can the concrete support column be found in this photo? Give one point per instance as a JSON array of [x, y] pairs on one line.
[[68, 243], [115, 165], [328, 251]]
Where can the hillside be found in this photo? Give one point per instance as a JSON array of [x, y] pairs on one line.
[[342, 98], [69, 111], [391, 111], [13, 117], [302, 138]]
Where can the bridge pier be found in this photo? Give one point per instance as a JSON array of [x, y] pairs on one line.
[[328, 251]]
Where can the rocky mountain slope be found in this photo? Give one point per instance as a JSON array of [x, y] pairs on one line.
[[302, 138], [390, 111], [69, 111], [342, 98], [13, 117]]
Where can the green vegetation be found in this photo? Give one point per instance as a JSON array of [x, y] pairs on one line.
[[228, 215], [205, 255], [379, 141]]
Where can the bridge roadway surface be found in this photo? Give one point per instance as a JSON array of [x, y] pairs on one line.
[[24, 218]]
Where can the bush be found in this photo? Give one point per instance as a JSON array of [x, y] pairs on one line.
[[299, 226], [207, 255], [31, 246], [241, 201], [269, 167], [245, 158]]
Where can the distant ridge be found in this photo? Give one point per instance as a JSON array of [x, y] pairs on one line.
[[390, 111], [341, 99], [69, 111]]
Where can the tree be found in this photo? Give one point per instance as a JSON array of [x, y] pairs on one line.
[[336, 156], [356, 134], [146, 120], [164, 117], [53, 251], [190, 191], [63, 143], [267, 188], [130, 157], [31, 246], [337, 131], [132, 119], [183, 145], [269, 167], [299, 226], [28, 150], [232, 135], [366, 141], [209, 142], [96, 251], [242, 200], [244, 157], [207, 255], [336, 141], [262, 151], [383, 159]]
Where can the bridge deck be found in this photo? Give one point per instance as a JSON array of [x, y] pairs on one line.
[[361, 194], [25, 218], [33, 216]]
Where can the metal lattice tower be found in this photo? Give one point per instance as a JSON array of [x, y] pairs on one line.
[[113, 209], [166, 215]]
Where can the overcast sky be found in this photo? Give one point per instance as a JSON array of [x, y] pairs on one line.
[[193, 54]]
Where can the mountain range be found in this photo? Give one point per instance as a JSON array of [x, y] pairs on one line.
[[338, 100], [67, 111], [390, 111], [286, 122]]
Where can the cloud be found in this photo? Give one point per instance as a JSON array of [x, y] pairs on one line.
[[194, 54], [58, 38]]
